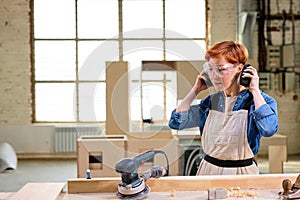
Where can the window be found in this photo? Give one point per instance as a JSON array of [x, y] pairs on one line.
[[73, 39]]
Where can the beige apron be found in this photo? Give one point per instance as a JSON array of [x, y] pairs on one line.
[[225, 137]]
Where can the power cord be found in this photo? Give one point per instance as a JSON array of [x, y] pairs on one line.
[[167, 160], [189, 165]]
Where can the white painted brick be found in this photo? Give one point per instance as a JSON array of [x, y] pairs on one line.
[[15, 71]]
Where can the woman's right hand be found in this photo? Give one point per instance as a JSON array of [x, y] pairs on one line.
[[198, 87], [200, 83]]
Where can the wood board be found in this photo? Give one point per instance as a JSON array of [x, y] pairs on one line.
[[184, 183], [38, 191]]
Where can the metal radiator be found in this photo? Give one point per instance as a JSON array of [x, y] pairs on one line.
[[65, 136]]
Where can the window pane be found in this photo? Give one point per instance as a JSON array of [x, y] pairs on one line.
[[55, 60], [92, 58], [97, 19], [92, 102], [142, 15], [135, 102], [153, 99], [138, 50], [54, 19], [185, 49], [55, 101], [171, 90], [186, 17]]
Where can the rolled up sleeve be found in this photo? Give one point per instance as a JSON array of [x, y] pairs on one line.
[[266, 119], [184, 119]]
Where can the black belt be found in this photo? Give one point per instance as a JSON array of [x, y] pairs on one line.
[[229, 163]]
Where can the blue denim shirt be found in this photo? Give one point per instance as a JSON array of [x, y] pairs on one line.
[[261, 122]]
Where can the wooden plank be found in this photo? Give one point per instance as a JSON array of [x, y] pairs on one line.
[[184, 183], [277, 155], [274, 140], [117, 100], [158, 65], [81, 185], [277, 152], [38, 191]]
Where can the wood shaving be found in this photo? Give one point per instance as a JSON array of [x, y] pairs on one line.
[[173, 193], [241, 194], [234, 188], [236, 192]]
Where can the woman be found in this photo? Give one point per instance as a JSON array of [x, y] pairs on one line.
[[232, 120]]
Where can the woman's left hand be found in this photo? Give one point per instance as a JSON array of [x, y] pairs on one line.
[[254, 83], [254, 87]]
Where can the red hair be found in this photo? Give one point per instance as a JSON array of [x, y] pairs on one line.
[[232, 51]]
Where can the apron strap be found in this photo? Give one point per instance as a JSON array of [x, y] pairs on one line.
[[229, 163]]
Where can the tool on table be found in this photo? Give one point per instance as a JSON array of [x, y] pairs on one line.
[[218, 193], [133, 186], [88, 174], [290, 191]]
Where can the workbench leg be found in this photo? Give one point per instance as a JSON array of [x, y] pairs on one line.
[[277, 155]]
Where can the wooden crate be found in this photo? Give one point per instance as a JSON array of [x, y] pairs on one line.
[[142, 141], [100, 154]]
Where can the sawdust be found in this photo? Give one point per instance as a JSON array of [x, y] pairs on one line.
[[236, 192], [173, 194]]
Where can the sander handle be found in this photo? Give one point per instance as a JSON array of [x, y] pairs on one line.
[[154, 172], [131, 165], [143, 157]]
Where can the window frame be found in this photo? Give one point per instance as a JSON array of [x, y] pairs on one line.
[[120, 41]]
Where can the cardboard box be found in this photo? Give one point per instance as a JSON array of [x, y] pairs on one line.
[[142, 141], [100, 154]]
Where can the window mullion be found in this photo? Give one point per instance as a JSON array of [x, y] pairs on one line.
[[120, 10], [76, 62], [164, 30]]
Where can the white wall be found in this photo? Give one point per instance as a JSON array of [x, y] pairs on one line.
[[34, 139]]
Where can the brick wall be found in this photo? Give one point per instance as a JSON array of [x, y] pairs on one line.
[[15, 85], [222, 20]]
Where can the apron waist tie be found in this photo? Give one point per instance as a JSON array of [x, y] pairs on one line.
[[229, 163]]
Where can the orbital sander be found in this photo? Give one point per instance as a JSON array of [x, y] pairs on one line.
[[133, 185]]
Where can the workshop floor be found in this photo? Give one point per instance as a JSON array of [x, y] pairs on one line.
[[62, 170]]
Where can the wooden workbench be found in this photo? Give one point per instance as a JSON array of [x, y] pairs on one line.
[[264, 186], [172, 195]]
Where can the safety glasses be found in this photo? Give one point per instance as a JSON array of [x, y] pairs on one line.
[[219, 70]]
